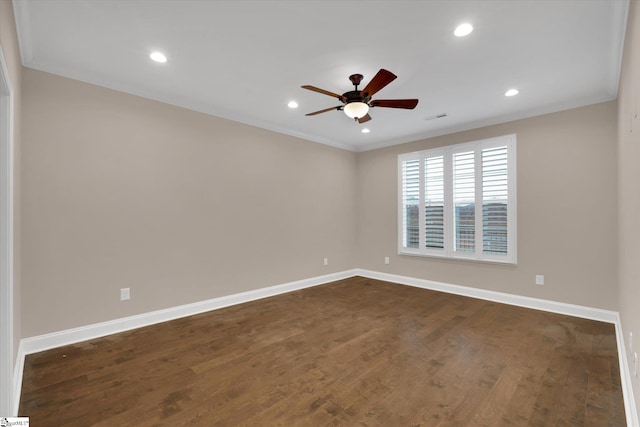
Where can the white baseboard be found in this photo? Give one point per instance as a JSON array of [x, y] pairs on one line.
[[17, 381], [501, 297], [97, 330], [625, 377], [70, 336]]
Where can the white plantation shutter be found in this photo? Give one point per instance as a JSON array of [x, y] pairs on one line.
[[434, 202], [464, 196], [459, 201], [495, 200], [411, 203]]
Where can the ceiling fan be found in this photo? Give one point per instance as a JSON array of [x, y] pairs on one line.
[[357, 102]]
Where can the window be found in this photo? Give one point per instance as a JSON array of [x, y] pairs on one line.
[[459, 201]]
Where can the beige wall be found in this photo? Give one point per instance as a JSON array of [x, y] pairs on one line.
[[629, 187], [9, 43], [566, 173], [120, 191]]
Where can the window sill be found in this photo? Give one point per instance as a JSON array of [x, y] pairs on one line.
[[505, 262]]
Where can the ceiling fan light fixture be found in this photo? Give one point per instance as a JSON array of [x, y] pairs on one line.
[[356, 110], [356, 103]]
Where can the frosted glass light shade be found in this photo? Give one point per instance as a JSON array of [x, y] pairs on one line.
[[158, 57], [356, 110], [463, 30]]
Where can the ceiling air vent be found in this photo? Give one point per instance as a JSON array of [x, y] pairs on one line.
[[437, 116]]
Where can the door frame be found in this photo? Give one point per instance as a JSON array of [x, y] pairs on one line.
[[7, 357]]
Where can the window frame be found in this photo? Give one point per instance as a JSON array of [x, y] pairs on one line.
[[448, 251]]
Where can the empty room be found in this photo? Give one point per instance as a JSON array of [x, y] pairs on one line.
[[314, 213]]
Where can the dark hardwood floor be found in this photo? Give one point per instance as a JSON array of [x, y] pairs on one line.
[[353, 352]]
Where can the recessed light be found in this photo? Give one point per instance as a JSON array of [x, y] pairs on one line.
[[158, 57], [365, 130], [292, 104], [512, 92], [463, 30]]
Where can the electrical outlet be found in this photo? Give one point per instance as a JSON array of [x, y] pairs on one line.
[[326, 261], [125, 294], [539, 279], [386, 260]]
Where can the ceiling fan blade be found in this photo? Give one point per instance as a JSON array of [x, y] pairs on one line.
[[364, 118], [379, 81], [326, 92], [324, 111], [409, 104]]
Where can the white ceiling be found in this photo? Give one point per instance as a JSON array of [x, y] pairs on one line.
[[245, 60]]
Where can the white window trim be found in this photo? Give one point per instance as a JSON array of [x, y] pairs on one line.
[[448, 252]]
